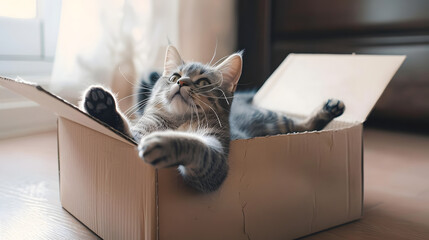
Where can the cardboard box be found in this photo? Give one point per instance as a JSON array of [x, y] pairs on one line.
[[278, 187]]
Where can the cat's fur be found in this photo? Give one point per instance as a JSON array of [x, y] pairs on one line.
[[186, 118]]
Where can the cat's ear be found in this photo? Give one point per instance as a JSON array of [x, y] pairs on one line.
[[172, 60], [230, 69]]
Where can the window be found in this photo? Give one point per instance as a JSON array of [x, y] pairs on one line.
[[28, 30]]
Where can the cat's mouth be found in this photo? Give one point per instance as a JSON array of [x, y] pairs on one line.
[[180, 95], [180, 101]]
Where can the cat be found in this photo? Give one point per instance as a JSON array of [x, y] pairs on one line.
[[248, 121], [186, 119]]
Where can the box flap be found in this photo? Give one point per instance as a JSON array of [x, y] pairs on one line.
[[61, 107], [304, 81]]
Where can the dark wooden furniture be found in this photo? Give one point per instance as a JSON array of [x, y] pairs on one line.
[[271, 29]]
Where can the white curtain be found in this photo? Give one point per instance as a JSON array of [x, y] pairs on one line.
[[113, 42]]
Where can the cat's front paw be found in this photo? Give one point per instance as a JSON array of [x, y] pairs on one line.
[[99, 102], [157, 150], [334, 107]]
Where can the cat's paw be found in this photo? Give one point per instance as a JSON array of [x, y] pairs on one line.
[[157, 150], [99, 103], [334, 107]]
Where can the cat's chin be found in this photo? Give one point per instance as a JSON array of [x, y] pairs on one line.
[[179, 105]]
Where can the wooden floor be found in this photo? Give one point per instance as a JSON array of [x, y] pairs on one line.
[[30, 205], [396, 195], [396, 190]]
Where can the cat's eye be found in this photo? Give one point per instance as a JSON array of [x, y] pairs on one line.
[[174, 78], [202, 82]]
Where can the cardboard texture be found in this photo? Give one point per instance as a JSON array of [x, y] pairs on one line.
[[307, 80], [105, 184], [278, 187]]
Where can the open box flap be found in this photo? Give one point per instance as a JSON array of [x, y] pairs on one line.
[[304, 81], [61, 107]]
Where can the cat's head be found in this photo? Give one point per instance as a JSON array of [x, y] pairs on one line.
[[190, 87]]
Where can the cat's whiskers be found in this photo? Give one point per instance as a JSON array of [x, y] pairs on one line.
[[133, 109], [123, 75], [205, 115], [214, 54], [211, 86], [190, 123], [214, 84], [136, 107], [223, 95], [217, 88], [218, 119], [192, 115], [194, 108], [218, 61], [138, 104], [131, 95], [192, 105], [214, 97]]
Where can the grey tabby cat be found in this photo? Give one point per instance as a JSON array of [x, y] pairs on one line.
[[186, 120]]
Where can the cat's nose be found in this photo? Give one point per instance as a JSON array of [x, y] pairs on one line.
[[184, 82]]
